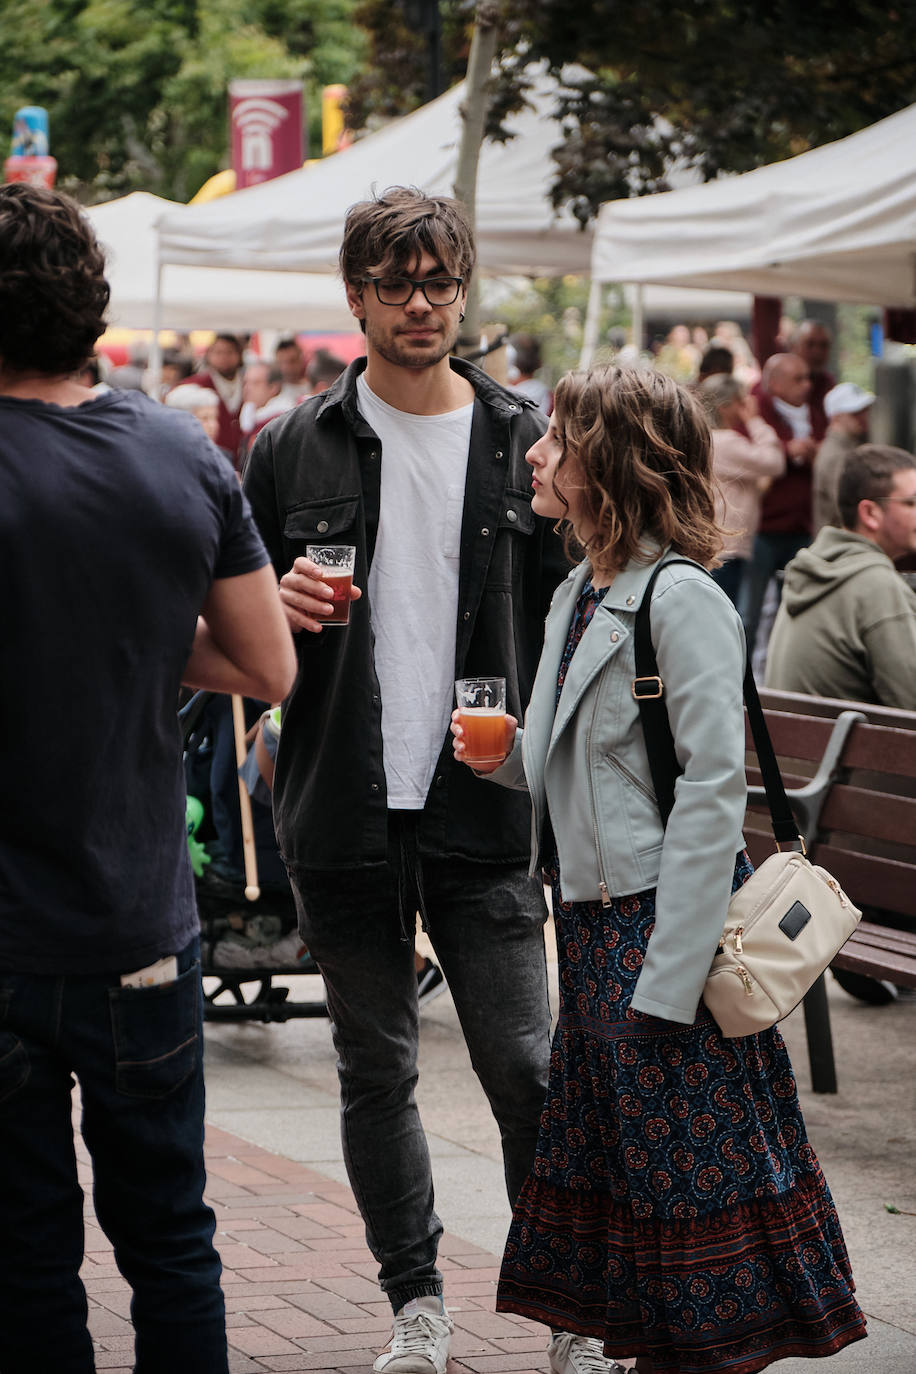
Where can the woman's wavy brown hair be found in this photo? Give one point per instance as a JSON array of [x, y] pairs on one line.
[[639, 449], [53, 292]]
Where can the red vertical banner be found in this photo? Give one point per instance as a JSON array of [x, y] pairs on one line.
[[266, 120]]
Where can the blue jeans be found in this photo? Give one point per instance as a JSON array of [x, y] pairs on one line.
[[138, 1057], [486, 924], [771, 554]]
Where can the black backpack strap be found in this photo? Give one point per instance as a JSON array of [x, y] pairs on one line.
[[649, 692]]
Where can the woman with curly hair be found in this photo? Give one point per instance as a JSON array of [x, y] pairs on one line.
[[675, 1211]]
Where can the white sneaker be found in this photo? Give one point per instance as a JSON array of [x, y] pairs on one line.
[[569, 1354], [419, 1342]]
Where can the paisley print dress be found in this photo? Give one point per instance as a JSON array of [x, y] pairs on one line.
[[675, 1208]]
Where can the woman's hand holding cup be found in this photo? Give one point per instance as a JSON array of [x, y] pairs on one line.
[[483, 733]]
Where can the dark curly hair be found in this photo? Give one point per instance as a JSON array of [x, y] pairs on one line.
[[641, 448], [53, 292]]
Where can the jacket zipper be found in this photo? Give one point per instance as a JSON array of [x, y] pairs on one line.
[[631, 777], [602, 882]]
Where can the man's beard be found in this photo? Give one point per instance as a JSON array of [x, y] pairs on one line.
[[397, 348]]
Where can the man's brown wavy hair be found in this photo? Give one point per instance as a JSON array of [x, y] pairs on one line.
[[53, 292], [639, 446], [393, 229]]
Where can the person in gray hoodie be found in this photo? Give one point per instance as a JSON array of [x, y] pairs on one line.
[[846, 626]]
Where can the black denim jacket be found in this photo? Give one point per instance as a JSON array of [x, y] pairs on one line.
[[314, 476]]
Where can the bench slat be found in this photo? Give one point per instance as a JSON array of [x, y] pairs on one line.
[[880, 816], [869, 880], [882, 937], [877, 964], [794, 737], [881, 749]]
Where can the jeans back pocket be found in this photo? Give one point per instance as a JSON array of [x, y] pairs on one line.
[[157, 1033]]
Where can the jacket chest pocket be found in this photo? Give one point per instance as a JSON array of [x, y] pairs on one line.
[[332, 520], [514, 526], [516, 513]]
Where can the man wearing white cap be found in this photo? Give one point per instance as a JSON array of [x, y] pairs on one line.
[[847, 408]]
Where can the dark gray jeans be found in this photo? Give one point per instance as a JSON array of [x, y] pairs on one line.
[[486, 925]]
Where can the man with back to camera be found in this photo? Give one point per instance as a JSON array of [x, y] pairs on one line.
[[129, 564], [417, 459], [847, 624]]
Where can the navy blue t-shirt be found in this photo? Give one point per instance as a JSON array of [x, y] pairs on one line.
[[115, 518]]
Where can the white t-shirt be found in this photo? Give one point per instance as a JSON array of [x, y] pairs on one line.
[[798, 418], [413, 585]]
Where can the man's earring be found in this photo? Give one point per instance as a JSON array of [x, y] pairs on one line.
[[461, 317]]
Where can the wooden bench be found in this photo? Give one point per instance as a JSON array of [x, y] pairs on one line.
[[850, 772]]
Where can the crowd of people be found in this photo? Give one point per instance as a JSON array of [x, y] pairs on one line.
[[667, 1205], [785, 444], [232, 391]]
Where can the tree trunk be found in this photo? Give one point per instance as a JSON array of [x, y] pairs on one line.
[[474, 117]]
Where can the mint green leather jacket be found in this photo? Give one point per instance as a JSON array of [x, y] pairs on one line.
[[585, 765]]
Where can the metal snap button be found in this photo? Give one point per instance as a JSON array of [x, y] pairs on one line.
[[322, 527], [512, 516], [499, 453], [373, 787], [484, 530], [630, 600], [614, 637], [466, 616]]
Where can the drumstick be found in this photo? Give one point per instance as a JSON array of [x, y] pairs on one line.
[[252, 890]]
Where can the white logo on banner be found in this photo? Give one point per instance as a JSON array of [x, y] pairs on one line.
[[257, 118]]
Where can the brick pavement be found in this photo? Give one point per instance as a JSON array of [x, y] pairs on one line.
[[299, 1281]]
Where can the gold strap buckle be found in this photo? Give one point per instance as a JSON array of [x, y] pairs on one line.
[[647, 688], [799, 841]]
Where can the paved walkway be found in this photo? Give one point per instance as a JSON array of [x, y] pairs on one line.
[[299, 1282]]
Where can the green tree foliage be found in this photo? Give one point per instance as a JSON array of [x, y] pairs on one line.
[[136, 90], [720, 85]]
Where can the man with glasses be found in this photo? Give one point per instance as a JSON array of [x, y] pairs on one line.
[[847, 624], [417, 459]]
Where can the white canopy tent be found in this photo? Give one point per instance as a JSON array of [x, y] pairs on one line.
[[837, 223], [194, 298], [294, 222]]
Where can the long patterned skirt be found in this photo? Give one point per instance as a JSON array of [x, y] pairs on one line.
[[675, 1208]]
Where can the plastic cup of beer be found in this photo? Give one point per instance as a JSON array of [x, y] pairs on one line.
[[336, 563], [482, 716]]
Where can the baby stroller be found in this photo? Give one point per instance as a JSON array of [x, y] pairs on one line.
[[250, 944]]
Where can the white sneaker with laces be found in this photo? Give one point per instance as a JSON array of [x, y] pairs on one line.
[[569, 1354], [420, 1339]]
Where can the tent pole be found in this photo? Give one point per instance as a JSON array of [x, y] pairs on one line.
[[639, 317], [155, 357], [592, 320]]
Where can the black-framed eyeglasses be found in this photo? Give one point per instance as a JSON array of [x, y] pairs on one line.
[[399, 290]]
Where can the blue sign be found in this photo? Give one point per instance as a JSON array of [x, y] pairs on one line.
[[30, 132]]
